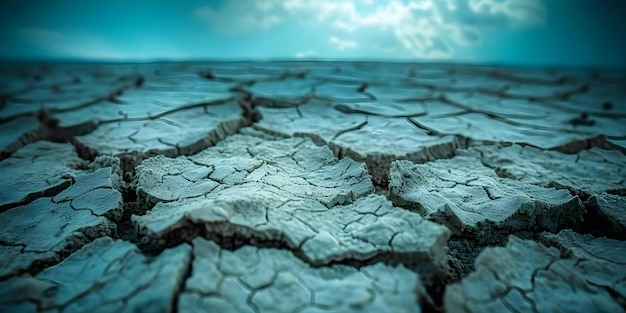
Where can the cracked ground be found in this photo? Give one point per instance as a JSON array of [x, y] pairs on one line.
[[311, 187]]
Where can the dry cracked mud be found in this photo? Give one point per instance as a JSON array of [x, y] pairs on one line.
[[311, 187]]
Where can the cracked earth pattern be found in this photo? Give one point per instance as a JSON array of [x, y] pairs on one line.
[[311, 187]]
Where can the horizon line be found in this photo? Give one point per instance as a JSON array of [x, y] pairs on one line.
[[130, 61]]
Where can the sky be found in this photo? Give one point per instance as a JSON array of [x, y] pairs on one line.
[[557, 33]]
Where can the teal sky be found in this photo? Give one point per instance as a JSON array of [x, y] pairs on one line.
[[569, 33]]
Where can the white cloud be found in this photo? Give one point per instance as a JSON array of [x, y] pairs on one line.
[[342, 44], [516, 11], [305, 54], [425, 28]]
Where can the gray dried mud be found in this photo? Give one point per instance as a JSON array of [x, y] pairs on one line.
[[311, 187]]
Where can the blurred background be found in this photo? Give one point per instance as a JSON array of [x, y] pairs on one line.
[[538, 33]]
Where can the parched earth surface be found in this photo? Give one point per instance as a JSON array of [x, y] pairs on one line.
[[311, 187]]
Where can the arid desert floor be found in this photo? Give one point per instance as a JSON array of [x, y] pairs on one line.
[[311, 187]]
